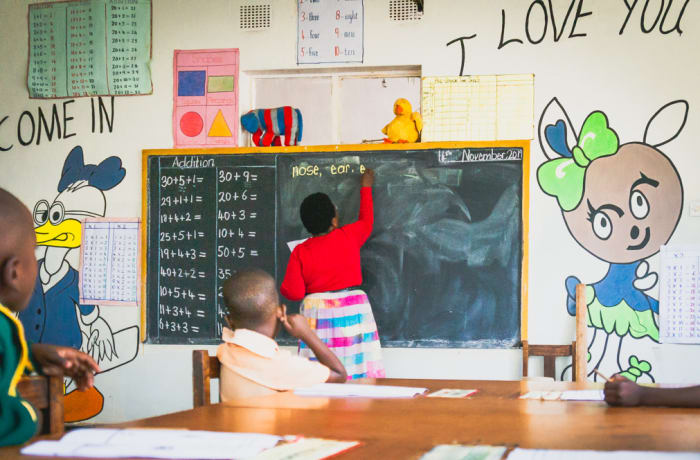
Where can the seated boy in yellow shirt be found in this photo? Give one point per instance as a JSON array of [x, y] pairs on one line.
[[251, 362], [18, 270]]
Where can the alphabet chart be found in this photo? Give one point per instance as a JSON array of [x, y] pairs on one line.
[[679, 294], [110, 271], [330, 31]]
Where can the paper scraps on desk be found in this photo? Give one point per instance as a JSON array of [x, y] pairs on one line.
[[542, 454], [153, 443], [359, 390], [572, 395], [458, 452], [307, 449], [451, 393], [293, 244]]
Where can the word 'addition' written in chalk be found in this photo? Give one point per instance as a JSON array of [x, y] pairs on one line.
[[315, 170]]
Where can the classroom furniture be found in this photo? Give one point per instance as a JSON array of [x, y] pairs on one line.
[[406, 428], [453, 215], [204, 368], [581, 351], [550, 353], [45, 393]]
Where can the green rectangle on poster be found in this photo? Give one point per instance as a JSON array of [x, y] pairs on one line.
[[220, 84]]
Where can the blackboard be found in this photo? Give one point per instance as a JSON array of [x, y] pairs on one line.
[[443, 267]]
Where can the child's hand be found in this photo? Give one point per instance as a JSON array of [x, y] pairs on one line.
[[367, 179], [620, 391], [55, 360], [296, 325]]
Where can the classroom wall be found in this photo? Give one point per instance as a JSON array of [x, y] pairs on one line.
[[598, 59]]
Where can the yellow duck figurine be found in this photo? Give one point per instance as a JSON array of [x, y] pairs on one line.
[[406, 126]]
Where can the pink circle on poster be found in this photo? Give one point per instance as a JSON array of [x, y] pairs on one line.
[[191, 124]]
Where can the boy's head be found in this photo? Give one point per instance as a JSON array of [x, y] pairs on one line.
[[252, 301], [18, 266], [318, 214]]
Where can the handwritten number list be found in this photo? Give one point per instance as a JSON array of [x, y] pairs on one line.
[[330, 31], [212, 222], [109, 269], [680, 296], [89, 48]]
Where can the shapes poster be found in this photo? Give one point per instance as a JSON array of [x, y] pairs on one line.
[[205, 98], [89, 48]]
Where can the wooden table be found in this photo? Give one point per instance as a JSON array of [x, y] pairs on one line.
[[406, 428]]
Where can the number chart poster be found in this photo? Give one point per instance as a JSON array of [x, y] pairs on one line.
[[330, 31], [205, 93], [89, 48]]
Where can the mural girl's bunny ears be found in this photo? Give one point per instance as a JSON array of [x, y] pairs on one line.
[[563, 176]]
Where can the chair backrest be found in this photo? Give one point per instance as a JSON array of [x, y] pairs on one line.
[[204, 368], [550, 353], [577, 350], [45, 393]]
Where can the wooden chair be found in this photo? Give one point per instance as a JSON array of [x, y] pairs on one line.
[[204, 368], [551, 352], [46, 395]]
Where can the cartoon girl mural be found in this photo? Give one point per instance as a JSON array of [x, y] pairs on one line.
[[620, 203], [54, 314]]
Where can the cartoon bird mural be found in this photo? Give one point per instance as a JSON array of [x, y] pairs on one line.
[[406, 126], [54, 314]]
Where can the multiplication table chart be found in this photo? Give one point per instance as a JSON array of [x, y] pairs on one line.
[[110, 270], [679, 294]]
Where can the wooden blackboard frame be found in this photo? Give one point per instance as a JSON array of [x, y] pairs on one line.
[[525, 198]]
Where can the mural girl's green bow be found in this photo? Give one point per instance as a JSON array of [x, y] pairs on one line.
[[563, 177]]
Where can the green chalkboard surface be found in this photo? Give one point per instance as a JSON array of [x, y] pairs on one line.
[[442, 267]]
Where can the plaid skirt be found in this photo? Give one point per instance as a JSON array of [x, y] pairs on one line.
[[344, 322]]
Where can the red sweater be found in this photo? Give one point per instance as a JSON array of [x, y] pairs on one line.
[[332, 261]]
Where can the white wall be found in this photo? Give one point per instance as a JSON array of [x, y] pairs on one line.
[[628, 76]]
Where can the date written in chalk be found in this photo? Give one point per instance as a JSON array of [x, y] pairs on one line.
[[480, 154], [335, 170]]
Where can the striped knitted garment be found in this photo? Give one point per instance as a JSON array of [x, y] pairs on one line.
[[345, 323]]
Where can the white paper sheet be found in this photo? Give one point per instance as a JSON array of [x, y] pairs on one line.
[[679, 296], [153, 443], [583, 395], [293, 244], [366, 391], [307, 449], [457, 452], [541, 454]]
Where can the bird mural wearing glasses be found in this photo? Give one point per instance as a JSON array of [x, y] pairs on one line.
[[54, 314]]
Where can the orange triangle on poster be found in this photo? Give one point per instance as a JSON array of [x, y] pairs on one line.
[[219, 128]]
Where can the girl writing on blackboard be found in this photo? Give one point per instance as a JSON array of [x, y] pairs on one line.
[[325, 271]]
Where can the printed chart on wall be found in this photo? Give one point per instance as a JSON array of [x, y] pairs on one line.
[[110, 271], [679, 303], [478, 107], [205, 106], [71, 44], [330, 31]]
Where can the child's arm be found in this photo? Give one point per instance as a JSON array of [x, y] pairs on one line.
[[297, 326], [622, 392], [293, 286], [55, 360], [362, 229]]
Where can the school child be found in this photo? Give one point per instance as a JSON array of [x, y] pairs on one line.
[[18, 270], [251, 362], [325, 271], [620, 391]]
